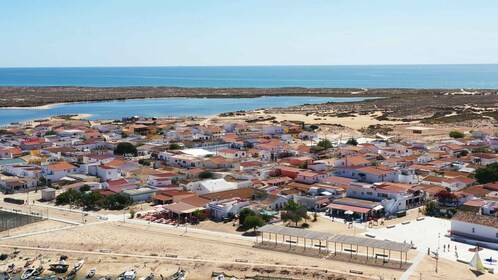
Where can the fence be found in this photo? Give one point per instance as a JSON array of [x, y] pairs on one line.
[[10, 220]]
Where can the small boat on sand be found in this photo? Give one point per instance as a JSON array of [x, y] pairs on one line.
[[147, 277], [128, 275], [91, 273], [28, 263], [48, 277], [78, 265], [181, 274], [59, 267], [107, 277], [10, 268], [39, 270], [28, 273]]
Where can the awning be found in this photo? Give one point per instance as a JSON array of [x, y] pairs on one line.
[[355, 209], [378, 207]]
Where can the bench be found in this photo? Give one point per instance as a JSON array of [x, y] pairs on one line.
[[405, 223], [105, 250], [370, 235], [171, 256], [291, 241], [390, 226], [241, 260], [420, 218], [42, 246], [350, 250], [320, 246], [381, 255], [355, 271]]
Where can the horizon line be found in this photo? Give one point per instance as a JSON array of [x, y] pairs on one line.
[[276, 65]]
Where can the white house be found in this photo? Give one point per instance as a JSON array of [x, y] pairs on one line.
[[232, 153], [55, 172], [475, 229], [216, 185], [368, 174], [221, 209]]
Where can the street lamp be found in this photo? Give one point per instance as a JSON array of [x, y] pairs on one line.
[[438, 244], [186, 223]]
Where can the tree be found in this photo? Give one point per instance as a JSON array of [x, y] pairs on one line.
[[68, 197], [487, 174], [124, 135], [316, 149], [91, 200], [325, 143], [197, 214], [246, 212], [482, 150], [294, 212], [85, 188], [431, 207], [352, 142], [313, 127], [174, 146], [126, 148], [253, 222], [175, 181], [456, 134], [133, 211], [50, 132], [445, 196], [291, 205], [144, 162], [206, 175]]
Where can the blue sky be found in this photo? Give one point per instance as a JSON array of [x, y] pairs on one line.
[[252, 32]]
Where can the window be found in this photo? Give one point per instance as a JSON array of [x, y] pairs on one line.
[[369, 193], [473, 230]]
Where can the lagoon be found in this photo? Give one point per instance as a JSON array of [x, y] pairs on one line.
[[162, 107]]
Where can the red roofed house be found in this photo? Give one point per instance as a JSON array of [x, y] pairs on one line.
[[55, 172]]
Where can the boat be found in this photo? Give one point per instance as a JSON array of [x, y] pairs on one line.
[[70, 276], [39, 270], [148, 277], [48, 277], [28, 273], [181, 274], [107, 277], [28, 263], [59, 267], [91, 273], [78, 265], [10, 268], [476, 264], [128, 275], [5, 276], [222, 276]]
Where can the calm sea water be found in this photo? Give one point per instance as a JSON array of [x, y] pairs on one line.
[[163, 107], [376, 76]]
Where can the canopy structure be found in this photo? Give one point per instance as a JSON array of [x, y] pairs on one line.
[[274, 237], [374, 243]]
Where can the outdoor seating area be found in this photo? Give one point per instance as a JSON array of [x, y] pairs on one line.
[[174, 214], [334, 246]]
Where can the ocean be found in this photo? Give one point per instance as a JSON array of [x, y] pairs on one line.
[[374, 76]]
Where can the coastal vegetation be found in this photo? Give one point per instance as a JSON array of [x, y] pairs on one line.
[[456, 134], [487, 174], [92, 199], [126, 149]]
